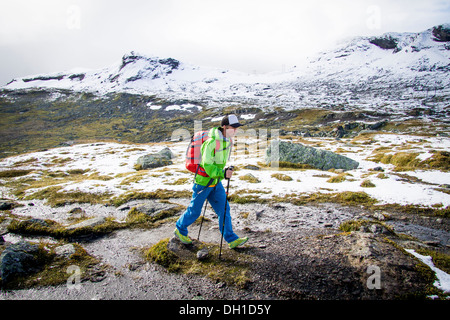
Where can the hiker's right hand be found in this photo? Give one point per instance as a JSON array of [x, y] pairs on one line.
[[228, 173]]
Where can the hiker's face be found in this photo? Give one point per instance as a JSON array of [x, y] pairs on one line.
[[230, 131]]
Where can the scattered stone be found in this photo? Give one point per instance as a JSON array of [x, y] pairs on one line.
[[175, 245], [432, 243], [4, 225], [154, 209], [65, 251], [376, 228], [202, 254], [87, 223], [155, 160], [135, 265], [124, 207], [76, 211], [6, 205], [252, 167], [255, 215], [377, 125], [379, 216]]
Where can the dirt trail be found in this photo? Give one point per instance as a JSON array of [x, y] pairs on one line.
[[299, 254]]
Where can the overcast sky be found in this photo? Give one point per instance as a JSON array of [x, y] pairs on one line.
[[42, 36]]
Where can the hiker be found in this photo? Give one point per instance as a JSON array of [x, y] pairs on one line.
[[215, 152]]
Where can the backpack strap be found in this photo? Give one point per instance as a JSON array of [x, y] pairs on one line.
[[201, 168]]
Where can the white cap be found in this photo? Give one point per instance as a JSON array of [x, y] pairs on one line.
[[231, 120]]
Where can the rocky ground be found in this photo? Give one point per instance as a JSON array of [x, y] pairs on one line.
[[294, 252]]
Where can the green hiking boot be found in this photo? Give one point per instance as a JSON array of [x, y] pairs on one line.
[[237, 242], [184, 239]]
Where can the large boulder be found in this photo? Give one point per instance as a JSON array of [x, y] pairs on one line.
[[18, 259], [280, 151], [155, 160]]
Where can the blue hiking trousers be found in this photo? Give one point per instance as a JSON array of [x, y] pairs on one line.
[[217, 198]]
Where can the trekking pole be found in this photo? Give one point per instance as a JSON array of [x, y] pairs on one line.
[[201, 222], [224, 213]]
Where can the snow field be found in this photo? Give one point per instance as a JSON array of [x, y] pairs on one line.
[[109, 168]]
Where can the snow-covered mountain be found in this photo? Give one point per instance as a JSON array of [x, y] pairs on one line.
[[393, 72]]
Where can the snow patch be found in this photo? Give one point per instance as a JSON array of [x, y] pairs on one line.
[[443, 278]]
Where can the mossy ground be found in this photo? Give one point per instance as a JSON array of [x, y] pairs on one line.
[[281, 177], [232, 268], [58, 231], [355, 225], [406, 161], [53, 269], [135, 219]]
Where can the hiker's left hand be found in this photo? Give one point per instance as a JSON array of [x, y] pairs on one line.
[[228, 173]]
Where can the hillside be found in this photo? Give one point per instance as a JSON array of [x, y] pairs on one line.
[[395, 82], [393, 72]]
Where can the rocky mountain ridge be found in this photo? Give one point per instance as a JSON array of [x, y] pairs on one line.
[[393, 72]]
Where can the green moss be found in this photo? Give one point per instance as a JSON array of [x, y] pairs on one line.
[[337, 179], [439, 161], [281, 177], [243, 199], [136, 218], [56, 197], [440, 259], [78, 171], [180, 181], [53, 270], [429, 277], [14, 173], [289, 165], [58, 231], [354, 198], [309, 117], [412, 209], [404, 161], [367, 184], [249, 178], [134, 178], [382, 176], [233, 268], [163, 256], [158, 194], [355, 225]]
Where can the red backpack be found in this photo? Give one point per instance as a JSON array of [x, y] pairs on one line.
[[194, 153]]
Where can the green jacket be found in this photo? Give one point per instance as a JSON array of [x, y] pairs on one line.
[[213, 161]]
